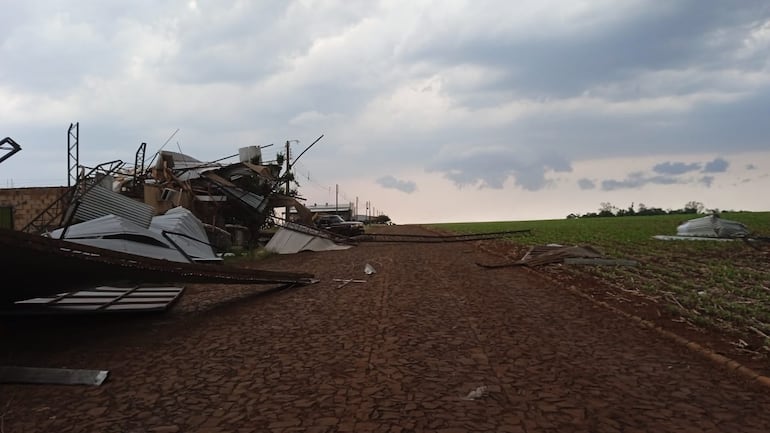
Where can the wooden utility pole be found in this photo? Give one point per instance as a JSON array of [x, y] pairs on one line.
[[337, 198], [288, 167]]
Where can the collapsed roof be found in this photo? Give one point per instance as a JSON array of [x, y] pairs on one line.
[[225, 198], [242, 193], [164, 225], [177, 236]]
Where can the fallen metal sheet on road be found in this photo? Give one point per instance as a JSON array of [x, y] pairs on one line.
[[62, 266], [52, 376], [286, 241], [137, 299]]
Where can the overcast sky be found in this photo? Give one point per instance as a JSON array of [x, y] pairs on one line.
[[430, 110]]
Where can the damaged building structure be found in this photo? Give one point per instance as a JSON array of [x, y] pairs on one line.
[[168, 222], [233, 201]]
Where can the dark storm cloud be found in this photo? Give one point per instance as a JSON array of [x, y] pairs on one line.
[[638, 180], [707, 181], [674, 168], [718, 165], [659, 36], [391, 182], [615, 80], [586, 184], [491, 167], [669, 174], [52, 47], [610, 61], [230, 45]]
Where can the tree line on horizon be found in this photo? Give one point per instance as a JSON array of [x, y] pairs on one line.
[[607, 209]]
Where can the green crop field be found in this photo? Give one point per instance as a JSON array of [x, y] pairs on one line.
[[710, 284]]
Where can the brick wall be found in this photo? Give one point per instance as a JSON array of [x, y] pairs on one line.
[[27, 203]]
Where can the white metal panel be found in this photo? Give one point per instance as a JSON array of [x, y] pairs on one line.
[[290, 242], [712, 226], [181, 220], [114, 233]]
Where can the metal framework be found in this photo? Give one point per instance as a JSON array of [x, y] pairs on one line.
[[138, 166], [73, 154], [13, 149], [63, 208]]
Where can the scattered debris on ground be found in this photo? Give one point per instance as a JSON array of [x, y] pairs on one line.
[[540, 255], [477, 393], [369, 269]]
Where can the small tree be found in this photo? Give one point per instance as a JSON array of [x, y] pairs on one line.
[[694, 207], [606, 209], [381, 219]]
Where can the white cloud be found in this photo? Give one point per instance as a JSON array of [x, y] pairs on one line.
[[475, 101]]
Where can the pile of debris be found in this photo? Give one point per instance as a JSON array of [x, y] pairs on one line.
[[233, 201], [126, 228]]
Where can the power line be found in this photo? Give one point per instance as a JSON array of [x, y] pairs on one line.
[[302, 173]]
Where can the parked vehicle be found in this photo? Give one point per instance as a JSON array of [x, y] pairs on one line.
[[336, 224]]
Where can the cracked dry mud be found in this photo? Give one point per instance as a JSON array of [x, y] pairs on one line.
[[400, 352]]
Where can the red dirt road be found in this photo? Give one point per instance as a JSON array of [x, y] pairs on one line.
[[397, 353]]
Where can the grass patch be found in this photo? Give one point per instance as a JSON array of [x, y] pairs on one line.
[[242, 255], [724, 285]]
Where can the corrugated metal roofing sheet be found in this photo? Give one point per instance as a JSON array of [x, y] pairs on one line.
[[100, 201]]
